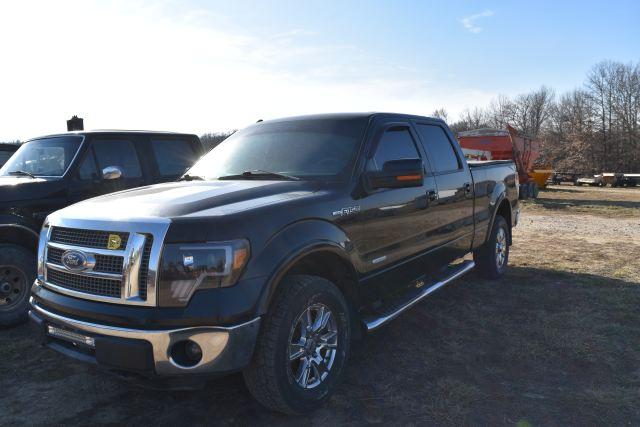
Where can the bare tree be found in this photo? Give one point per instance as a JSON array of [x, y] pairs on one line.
[[440, 113], [212, 139]]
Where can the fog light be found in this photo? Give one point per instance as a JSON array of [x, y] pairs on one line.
[[186, 353], [193, 351]]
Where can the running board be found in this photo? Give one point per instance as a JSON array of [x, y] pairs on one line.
[[373, 322]]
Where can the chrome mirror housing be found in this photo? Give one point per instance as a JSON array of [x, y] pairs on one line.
[[112, 172]]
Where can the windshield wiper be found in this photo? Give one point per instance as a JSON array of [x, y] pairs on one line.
[[261, 174], [22, 173], [187, 177]]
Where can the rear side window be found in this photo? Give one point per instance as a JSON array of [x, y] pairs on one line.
[[395, 144], [437, 144], [173, 156], [120, 153]]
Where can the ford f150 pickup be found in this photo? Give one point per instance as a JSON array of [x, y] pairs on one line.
[[286, 241], [51, 172]]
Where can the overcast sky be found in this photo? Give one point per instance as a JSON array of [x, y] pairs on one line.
[[200, 66]]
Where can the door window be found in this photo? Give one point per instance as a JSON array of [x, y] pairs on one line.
[[395, 144], [438, 145], [88, 169], [120, 153], [173, 156]]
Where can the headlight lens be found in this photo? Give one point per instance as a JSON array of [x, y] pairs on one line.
[[186, 268]]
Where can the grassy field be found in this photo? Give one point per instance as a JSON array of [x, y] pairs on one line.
[[555, 342]]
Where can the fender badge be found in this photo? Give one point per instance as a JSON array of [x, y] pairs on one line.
[[347, 211]]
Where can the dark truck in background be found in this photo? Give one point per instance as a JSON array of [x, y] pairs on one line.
[[51, 172], [278, 247], [6, 151]]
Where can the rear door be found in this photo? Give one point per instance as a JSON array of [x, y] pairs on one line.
[[454, 207], [173, 155]]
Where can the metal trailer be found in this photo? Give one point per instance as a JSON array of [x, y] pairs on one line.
[[621, 179], [509, 144]]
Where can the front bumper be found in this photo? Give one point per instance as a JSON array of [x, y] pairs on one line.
[[147, 352]]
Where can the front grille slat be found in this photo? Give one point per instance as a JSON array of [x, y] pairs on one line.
[[86, 238], [104, 263], [86, 284]]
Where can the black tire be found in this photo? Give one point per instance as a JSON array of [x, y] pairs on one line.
[[17, 274], [270, 377], [486, 257]]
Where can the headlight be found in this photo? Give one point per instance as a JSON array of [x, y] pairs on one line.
[[186, 268]]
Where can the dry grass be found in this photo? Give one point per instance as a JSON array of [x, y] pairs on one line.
[[555, 342]]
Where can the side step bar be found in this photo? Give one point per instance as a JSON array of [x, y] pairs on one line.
[[374, 322]]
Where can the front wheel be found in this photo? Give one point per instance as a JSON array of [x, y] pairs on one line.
[[303, 346], [492, 258], [17, 274]]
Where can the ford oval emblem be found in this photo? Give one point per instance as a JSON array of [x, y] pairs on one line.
[[74, 260]]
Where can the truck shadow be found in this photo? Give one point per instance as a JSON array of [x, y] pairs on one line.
[[538, 345]]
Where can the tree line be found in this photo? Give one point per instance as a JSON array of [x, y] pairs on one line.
[[594, 128]]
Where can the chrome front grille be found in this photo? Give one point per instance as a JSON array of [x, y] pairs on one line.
[[126, 275]]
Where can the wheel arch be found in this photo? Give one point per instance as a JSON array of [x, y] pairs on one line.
[[21, 235], [503, 208]]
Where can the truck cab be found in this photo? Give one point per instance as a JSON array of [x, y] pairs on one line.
[[50, 172]]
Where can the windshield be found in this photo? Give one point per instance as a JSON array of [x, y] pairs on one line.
[[305, 148], [43, 157]]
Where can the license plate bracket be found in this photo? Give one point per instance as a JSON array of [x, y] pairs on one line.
[[73, 337]]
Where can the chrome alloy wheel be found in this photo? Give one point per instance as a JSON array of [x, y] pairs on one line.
[[313, 342], [13, 283], [501, 248]]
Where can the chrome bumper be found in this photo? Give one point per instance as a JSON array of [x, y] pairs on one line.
[[222, 347]]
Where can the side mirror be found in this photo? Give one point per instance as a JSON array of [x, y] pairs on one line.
[[112, 172], [397, 174]]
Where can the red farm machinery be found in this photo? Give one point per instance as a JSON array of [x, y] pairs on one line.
[[508, 144]]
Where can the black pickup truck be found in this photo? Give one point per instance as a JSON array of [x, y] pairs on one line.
[[278, 247], [51, 172], [6, 151]]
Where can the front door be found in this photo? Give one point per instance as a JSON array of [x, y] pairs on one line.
[[104, 152], [393, 223]]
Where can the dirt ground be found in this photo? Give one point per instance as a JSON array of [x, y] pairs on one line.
[[555, 342]]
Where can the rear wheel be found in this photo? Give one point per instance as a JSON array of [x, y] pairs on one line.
[[17, 273], [492, 258], [303, 346]]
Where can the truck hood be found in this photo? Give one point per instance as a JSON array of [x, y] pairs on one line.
[[186, 199], [20, 188]]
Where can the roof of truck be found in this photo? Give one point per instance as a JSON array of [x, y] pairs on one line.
[[115, 131], [350, 116]]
